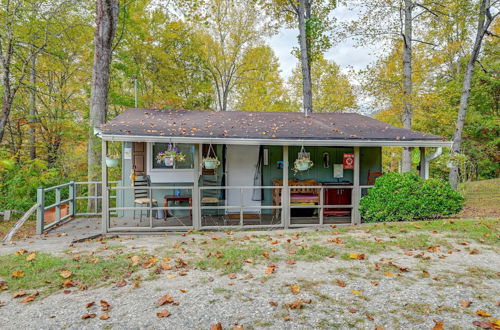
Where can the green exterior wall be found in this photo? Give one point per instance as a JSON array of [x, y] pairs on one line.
[[370, 160]]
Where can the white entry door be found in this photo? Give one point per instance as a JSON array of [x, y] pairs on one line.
[[241, 164]]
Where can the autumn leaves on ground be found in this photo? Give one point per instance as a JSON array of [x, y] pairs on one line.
[[432, 274]]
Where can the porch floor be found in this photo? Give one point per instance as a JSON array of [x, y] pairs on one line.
[[79, 228], [222, 220]]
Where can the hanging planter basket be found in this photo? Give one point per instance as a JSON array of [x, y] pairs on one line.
[[169, 161], [111, 161], [171, 155], [209, 162], [303, 161]]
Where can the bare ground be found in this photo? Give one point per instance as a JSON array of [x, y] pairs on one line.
[[412, 276]]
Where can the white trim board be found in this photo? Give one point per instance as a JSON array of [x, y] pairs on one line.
[[282, 142]]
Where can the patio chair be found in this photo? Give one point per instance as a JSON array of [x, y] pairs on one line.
[[142, 196], [372, 176]]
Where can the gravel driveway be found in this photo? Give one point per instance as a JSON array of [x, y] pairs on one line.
[[359, 286]]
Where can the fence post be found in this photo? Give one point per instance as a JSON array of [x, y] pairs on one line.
[[40, 214], [285, 210], [356, 191], [72, 197], [58, 205]]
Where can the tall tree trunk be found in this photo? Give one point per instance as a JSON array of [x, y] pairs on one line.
[[304, 58], [484, 20], [407, 80], [32, 121], [6, 99], [106, 20]]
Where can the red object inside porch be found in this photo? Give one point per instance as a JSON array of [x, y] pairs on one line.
[[337, 196]]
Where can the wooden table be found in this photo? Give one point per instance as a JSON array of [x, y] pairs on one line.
[[176, 199]]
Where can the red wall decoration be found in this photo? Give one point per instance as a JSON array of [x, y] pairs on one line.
[[348, 161]]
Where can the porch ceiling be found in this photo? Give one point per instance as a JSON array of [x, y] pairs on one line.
[[274, 128]]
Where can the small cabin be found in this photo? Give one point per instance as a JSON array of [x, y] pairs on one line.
[[190, 169]]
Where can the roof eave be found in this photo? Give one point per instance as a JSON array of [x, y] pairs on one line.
[[282, 142]]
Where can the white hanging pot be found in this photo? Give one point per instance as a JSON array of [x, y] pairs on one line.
[[211, 163], [111, 162], [169, 161], [303, 164]]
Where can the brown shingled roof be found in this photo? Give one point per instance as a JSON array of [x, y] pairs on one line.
[[257, 125]]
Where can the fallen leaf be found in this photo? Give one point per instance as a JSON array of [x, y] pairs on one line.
[[336, 240], [356, 292], [22, 251], [166, 266], [248, 261], [232, 276], [31, 256], [90, 304], [465, 303], [135, 260], [183, 290], [295, 289], [166, 299], [353, 310], [104, 305], [88, 316], [389, 274], [3, 286], [297, 304], [121, 283], [291, 262], [18, 294], [17, 274], [484, 325], [374, 283], [217, 326], [438, 325], [68, 284], [31, 297], [341, 283], [270, 269], [163, 313], [66, 273], [273, 303], [483, 313], [104, 316], [358, 256], [265, 255], [379, 327]]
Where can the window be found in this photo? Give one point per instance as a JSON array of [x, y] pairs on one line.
[[186, 149]]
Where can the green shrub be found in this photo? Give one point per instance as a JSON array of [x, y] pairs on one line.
[[18, 183], [399, 197]]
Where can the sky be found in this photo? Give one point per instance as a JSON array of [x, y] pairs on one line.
[[345, 54]]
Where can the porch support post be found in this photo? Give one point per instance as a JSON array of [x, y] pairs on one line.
[[356, 192], [104, 187], [423, 163], [195, 194], [285, 194]]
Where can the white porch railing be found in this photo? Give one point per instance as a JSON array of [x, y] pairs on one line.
[[76, 199]]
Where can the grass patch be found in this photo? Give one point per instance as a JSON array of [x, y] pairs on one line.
[[485, 231], [365, 245], [482, 198], [315, 253], [43, 272], [232, 258]]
